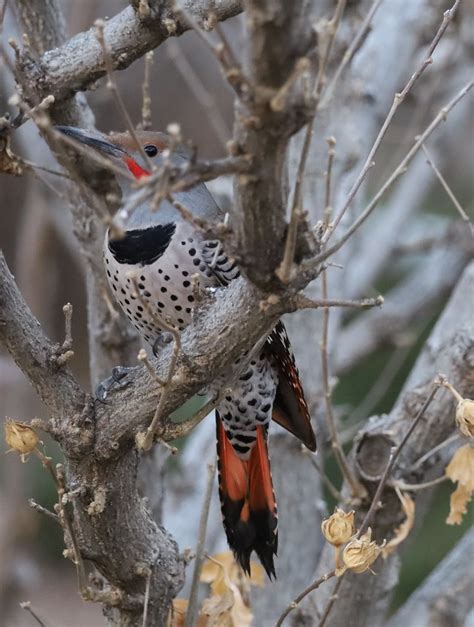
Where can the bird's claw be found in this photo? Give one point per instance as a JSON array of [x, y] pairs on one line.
[[161, 341], [117, 380]]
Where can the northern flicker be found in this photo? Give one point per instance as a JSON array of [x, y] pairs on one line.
[[169, 257]]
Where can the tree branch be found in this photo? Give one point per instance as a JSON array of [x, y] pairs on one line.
[[79, 63], [445, 597]]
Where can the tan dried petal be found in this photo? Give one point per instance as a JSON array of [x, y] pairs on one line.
[[338, 528], [461, 467], [9, 162], [458, 505], [465, 416], [401, 532], [359, 554], [223, 566], [20, 437]]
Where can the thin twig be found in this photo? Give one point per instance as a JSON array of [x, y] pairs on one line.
[[333, 598], [325, 479], [399, 170], [447, 189], [146, 98], [58, 476], [416, 487], [304, 302], [419, 462], [143, 358], [3, 10], [297, 600], [26, 605], [35, 166], [43, 510], [179, 429], [232, 70], [330, 32], [351, 50], [357, 489], [331, 142], [192, 611], [69, 524], [284, 272], [146, 600], [200, 92], [112, 85], [397, 101], [145, 441], [38, 115], [394, 456], [67, 311]]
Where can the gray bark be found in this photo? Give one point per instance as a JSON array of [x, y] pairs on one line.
[[446, 597]]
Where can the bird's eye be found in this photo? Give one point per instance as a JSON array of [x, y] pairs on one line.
[[151, 150]]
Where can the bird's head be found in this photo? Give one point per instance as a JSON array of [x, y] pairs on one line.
[[123, 149]]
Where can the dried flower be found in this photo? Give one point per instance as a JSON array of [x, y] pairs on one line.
[[338, 528], [465, 416], [20, 437], [359, 554], [401, 532], [464, 410], [461, 470], [458, 505]]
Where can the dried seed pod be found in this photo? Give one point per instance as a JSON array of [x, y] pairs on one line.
[[359, 554], [20, 437], [465, 416], [338, 528]]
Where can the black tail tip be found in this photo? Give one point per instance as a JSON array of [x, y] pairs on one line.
[[265, 555]]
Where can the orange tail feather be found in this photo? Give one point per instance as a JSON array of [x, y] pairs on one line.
[[247, 501]]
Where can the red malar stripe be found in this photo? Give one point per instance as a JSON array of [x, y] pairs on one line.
[[137, 171]]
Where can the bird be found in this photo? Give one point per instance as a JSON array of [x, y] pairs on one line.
[[169, 257]]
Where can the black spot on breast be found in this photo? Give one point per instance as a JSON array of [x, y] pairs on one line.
[[142, 245], [246, 376], [241, 449], [245, 439]]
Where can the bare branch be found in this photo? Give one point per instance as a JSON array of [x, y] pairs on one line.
[[397, 101], [447, 189], [311, 588], [79, 63], [192, 612], [399, 170]]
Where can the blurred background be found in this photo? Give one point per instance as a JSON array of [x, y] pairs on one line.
[[37, 239]]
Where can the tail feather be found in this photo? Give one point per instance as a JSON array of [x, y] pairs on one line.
[[248, 501], [290, 409]]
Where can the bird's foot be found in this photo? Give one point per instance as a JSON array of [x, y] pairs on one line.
[[117, 380]]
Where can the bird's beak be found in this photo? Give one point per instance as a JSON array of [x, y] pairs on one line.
[[94, 139]]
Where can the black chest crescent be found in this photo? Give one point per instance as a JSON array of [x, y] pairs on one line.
[[142, 246]]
